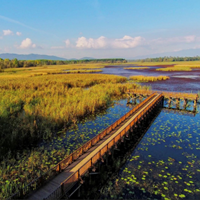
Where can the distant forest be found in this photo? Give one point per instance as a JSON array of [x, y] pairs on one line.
[[14, 63], [170, 59]]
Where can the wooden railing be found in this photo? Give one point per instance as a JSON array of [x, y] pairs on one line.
[[191, 96], [38, 182]]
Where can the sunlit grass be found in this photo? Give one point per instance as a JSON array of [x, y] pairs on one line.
[[142, 78], [36, 108], [179, 68], [65, 72], [51, 69], [139, 63], [175, 66]]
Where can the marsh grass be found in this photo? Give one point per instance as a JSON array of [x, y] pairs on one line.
[[31, 108], [50, 69], [139, 63], [37, 108], [142, 78], [65, 72], [175, 66], [179, 68]]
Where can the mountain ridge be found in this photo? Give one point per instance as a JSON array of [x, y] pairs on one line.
[[29, 56]]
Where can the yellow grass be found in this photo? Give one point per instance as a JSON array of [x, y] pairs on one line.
[[55, 100], [51, 69], [137, 63], [142, 78], [33, 108], [178, 65], [65, 72], [179, 68]]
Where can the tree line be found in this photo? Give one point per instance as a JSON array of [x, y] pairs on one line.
[[170, 59], [14, 63]]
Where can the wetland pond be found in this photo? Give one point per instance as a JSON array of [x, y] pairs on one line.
[[184, 81]]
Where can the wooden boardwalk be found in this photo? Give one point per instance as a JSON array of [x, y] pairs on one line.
[[69, 171], [172, 97], [175, 95]]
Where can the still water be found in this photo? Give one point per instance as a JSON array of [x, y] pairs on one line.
[[179, 81], [164, 165]]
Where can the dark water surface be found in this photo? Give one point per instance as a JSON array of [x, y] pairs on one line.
[[179, 81], [165, 164]]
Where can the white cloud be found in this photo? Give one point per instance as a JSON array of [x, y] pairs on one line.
[[57, 47], [67, 43], [91, 43], [27, 43], [128, 42], [7, 32], [103, 42], [18, 33]]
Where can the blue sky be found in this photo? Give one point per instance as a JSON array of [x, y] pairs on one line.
[[99, 28]]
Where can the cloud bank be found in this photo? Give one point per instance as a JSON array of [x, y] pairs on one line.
[[103, 42]]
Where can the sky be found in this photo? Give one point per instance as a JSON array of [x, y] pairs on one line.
[[99, 28]]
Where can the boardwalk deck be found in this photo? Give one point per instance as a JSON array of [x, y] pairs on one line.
[[66, 179]]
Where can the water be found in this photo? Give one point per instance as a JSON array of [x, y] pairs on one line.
[[179, 81], [164, 165]]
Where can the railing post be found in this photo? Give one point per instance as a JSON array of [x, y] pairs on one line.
[[62, 189], [59, 168]]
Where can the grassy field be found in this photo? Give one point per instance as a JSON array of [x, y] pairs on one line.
[[177, 66], [51, 69], [31, 107], [142, 78]]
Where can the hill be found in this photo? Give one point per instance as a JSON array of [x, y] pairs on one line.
[[29, 57]]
